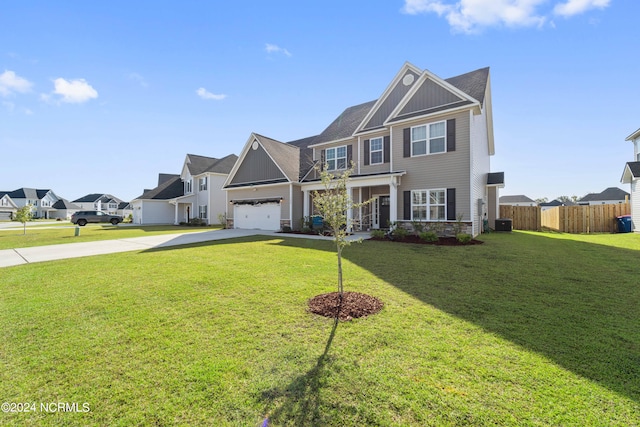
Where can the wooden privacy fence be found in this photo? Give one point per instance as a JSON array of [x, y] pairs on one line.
[[567, 219]]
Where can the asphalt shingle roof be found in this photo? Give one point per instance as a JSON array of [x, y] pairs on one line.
[[171, 188], [200, 164], [520, 198], [286, 156], [611, 193]]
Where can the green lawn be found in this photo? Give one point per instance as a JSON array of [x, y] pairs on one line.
[[527, 329], [54, 234]]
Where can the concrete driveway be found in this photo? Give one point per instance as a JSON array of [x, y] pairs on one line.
[[11, 257]]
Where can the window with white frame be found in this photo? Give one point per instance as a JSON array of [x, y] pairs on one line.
[[202, 183], [187, 186], [428, 139], [336, 158], [428, 205], [375, 151], [202, 211]]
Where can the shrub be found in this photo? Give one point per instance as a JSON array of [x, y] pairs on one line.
[[418, 227], [463, 237], [429, 236], [286, 229], [399, 232], [378, 234], [196, 222], [222, 219]]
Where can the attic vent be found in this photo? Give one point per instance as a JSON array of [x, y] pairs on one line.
[[254, 145], [408, 79]]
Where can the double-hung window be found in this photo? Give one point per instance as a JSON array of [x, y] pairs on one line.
[[202, 211], [187, 186], [336, 158], [375, 151], [202, 183], [428, 205], [428, 139]]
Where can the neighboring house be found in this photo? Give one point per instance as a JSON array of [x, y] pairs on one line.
[[518, 200], [64, 209], [8, 208], [203, 196], [195, 193], [554, 204], [124, 209], [154, 206], [631, 175], [422, 150], [99, 202], [611, 195], [41, 201]]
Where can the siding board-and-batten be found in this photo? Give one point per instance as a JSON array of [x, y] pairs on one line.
[[257, 166]]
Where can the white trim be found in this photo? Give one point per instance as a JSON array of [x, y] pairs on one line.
[[406, 67], [428, 138], [381, 151], [428, 205], [428, 75], [443, 113], [335, 159], [335, 141]]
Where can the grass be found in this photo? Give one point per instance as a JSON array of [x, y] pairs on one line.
[[58, 234], [528, 329]]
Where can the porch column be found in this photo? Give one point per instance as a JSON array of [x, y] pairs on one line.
[[305, 203], [393, 199], [350, 211], [175, 215]]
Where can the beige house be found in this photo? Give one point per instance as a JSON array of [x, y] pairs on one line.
[[422, 150]]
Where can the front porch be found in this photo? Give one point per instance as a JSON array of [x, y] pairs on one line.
[[382, 189]]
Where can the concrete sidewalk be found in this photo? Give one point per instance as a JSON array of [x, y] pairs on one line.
[[11, 257]]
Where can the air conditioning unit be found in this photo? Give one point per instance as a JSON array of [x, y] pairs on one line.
[[504, 224]]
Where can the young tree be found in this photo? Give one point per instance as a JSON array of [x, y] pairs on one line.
[[23, 215], [333, 203]]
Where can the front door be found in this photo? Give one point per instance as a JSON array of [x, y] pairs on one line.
[[383, 209]]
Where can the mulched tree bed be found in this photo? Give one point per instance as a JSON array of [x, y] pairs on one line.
[[354, 305], [442, 241]]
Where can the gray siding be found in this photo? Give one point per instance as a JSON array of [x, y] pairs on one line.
[[298, 204], [444, 170], [257, 166], [430, 95], [366, 169], [396, 95]]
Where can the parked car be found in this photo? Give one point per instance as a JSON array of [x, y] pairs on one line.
[[82, 218]]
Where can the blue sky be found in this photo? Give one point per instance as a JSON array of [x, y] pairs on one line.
[[100, 97]]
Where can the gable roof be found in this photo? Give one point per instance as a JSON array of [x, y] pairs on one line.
[[65, 204], [633, 136], [24, 193], [611, 193], [170, 188], [306, 154], [398, 102], [95, 197], [631, 172], [520, 198], [286, 156], [200, 164]]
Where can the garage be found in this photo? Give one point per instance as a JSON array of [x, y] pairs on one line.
[[5, 216], [257, 216]]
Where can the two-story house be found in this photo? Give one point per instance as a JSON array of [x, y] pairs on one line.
[[631, 175], [8, 208], [99, 202], [41, 201], [195, 193], [421, 150]]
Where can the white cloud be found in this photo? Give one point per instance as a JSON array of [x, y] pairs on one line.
[[205, 94], [470, 16], [138, 79], [11, 83], [73, 91], [272, 48], [575, 7]]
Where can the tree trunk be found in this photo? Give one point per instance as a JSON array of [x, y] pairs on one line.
[[340, 289]]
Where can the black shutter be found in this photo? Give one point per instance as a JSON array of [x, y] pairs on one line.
[[367, 147], [407, 205], [451, 135], [387, 149], [451, 204], [406, 142], [349, 155], [322, 160]]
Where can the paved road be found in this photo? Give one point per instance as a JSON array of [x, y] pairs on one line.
[[11, 257]]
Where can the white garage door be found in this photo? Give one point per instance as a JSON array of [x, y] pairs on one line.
[[265, 216]]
